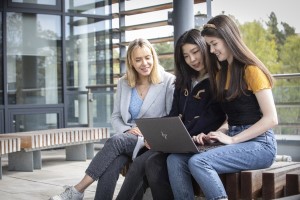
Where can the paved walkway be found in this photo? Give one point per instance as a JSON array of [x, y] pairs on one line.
[[44, 183]]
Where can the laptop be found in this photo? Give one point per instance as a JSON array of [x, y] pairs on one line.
[[169, 135]]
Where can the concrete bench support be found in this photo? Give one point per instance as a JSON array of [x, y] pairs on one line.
[[76, 152], [80, 152], [21, 161], [7, 146], [90, 151], [24, 161]]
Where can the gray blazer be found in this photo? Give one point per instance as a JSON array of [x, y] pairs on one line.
[[157, 103]]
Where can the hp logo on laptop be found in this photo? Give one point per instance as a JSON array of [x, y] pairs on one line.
[[164, 135]]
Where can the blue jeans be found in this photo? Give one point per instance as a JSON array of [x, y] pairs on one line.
[[180, 176], [257, 153], [107, 163]]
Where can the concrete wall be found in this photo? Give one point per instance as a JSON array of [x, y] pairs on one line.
[[289, 147]]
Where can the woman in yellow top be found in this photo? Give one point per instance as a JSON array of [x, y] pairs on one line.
[[242, 84]]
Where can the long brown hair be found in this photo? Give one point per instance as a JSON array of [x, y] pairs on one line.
[[223, 27]]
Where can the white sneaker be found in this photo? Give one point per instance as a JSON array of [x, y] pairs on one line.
[[70, 193]]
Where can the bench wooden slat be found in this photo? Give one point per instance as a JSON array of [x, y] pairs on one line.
[[77, 141], [292, 184], [9, 145], [251, 180], [274, 181], [232, 186], [57, 137]]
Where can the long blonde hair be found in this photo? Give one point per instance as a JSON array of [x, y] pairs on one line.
[[131, 73]]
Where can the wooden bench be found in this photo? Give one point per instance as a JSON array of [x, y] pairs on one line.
[[78, 142], [269, 183], [292, 184], [293, 197], [8, 145], [282, 179]]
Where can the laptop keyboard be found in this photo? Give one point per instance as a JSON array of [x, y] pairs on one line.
[[203, 148]]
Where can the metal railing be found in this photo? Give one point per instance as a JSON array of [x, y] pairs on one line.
[[286, 94]]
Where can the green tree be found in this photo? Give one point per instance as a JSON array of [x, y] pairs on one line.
[[262, 43], [290, 54], [287, 29], [165, 52], [273, 27]]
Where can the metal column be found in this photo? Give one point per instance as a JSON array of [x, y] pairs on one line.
[[182, 17]]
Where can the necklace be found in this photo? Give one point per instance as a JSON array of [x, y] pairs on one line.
[[142, 90]]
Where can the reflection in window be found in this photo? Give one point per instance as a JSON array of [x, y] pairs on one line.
[[1, 66], [91, 7], [32, 122], [88, 61], [41, 2], [34, 59]]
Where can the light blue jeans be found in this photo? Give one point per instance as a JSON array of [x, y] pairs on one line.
[[257, 153]]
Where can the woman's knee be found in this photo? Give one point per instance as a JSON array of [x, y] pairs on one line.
[[175, 159], [121, 138], [172, 158], [195, 163]]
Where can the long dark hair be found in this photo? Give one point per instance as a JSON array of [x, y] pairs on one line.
[[223, 27], [183, 71]]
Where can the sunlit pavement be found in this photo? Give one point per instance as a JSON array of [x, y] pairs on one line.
[[44, 183]]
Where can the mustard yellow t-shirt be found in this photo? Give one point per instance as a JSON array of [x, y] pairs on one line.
[[255, 79]]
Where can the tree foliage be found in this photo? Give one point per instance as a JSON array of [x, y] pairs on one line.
[[290, 55], [262, 43], [288, 30], [165, 49], [273, 28]]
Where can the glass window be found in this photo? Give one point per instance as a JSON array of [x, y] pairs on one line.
[[92, 7], [1, 122], [32, 122], [88, 61], [34, 74], [38, 4], [42, 2], [1, 62]]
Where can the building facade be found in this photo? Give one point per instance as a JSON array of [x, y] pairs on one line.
[[54, 52], [50, 51]]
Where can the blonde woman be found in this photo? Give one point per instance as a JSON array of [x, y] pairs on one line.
[[145, 91]]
